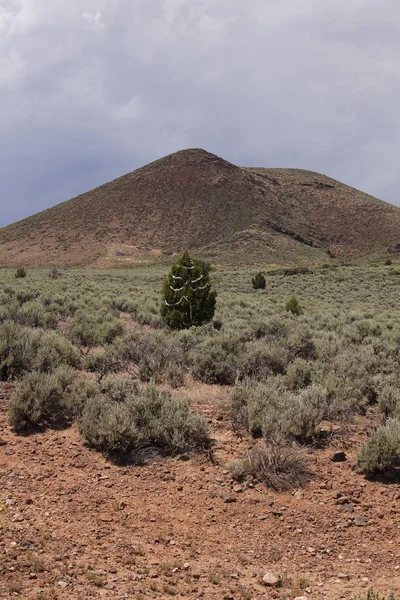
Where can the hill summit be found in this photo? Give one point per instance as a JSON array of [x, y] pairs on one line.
[[193, 199]]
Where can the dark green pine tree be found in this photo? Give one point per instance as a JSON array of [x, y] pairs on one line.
[[187, 295], [258, 281]]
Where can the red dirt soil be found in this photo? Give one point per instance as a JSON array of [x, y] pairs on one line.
[[73, 525]]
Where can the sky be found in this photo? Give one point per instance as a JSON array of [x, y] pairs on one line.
[[93, 89]]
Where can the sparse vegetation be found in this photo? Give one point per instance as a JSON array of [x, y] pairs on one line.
[[275, 462], [372, 595]]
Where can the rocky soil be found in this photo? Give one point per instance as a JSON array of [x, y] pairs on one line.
[[75, 526]]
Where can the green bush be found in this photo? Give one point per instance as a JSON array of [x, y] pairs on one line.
[[90, 329], [107, 360], [78, 394], [151, 355], [258, 281], [293, 306], [23, 350], [268, 409], [382, 449], [262, 358], [187, 295], [215, 361], [20, 273], [39, 398], [389, 401], [299, 373], [301, 344], [145, 418], [275, 462]]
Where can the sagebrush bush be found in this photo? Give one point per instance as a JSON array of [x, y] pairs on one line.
[[146, 417], [261, 358], [105, 361], [389, 401], [20, 273], [215, 361], [276, 462], [301, 344], [382, 449], [90, 329], [78, 394], [23, 350], [269, 409], [39, 398], [153, 354], [299, 373]]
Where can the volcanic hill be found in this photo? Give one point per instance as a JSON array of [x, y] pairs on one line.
[[193, 199]]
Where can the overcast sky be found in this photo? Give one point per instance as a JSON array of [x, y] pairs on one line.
[[92, 89]]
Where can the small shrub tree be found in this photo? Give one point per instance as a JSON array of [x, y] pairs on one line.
[[187, 295], [20, 272], [259, 281], [293, 306]]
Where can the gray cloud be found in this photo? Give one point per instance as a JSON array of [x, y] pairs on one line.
[[91, 89]]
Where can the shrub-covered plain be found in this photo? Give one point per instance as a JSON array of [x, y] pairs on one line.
[[290, 370]]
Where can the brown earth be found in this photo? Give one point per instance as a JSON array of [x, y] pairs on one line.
[[193, 199], [75, 526]]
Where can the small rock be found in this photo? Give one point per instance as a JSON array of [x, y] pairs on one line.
[[361, 521], [228, 499], [338, 457], [271, 579], [106, 518], [62, 584], [238, 488], [110, 586], [301, 598], [343, 576], [336, 494], [298, 495], [3, 442], [346, 508], [18, 518]]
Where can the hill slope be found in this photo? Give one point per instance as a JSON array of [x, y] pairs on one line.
[[196, 200]]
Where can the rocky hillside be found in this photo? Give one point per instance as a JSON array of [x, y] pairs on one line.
[[196, 200]]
